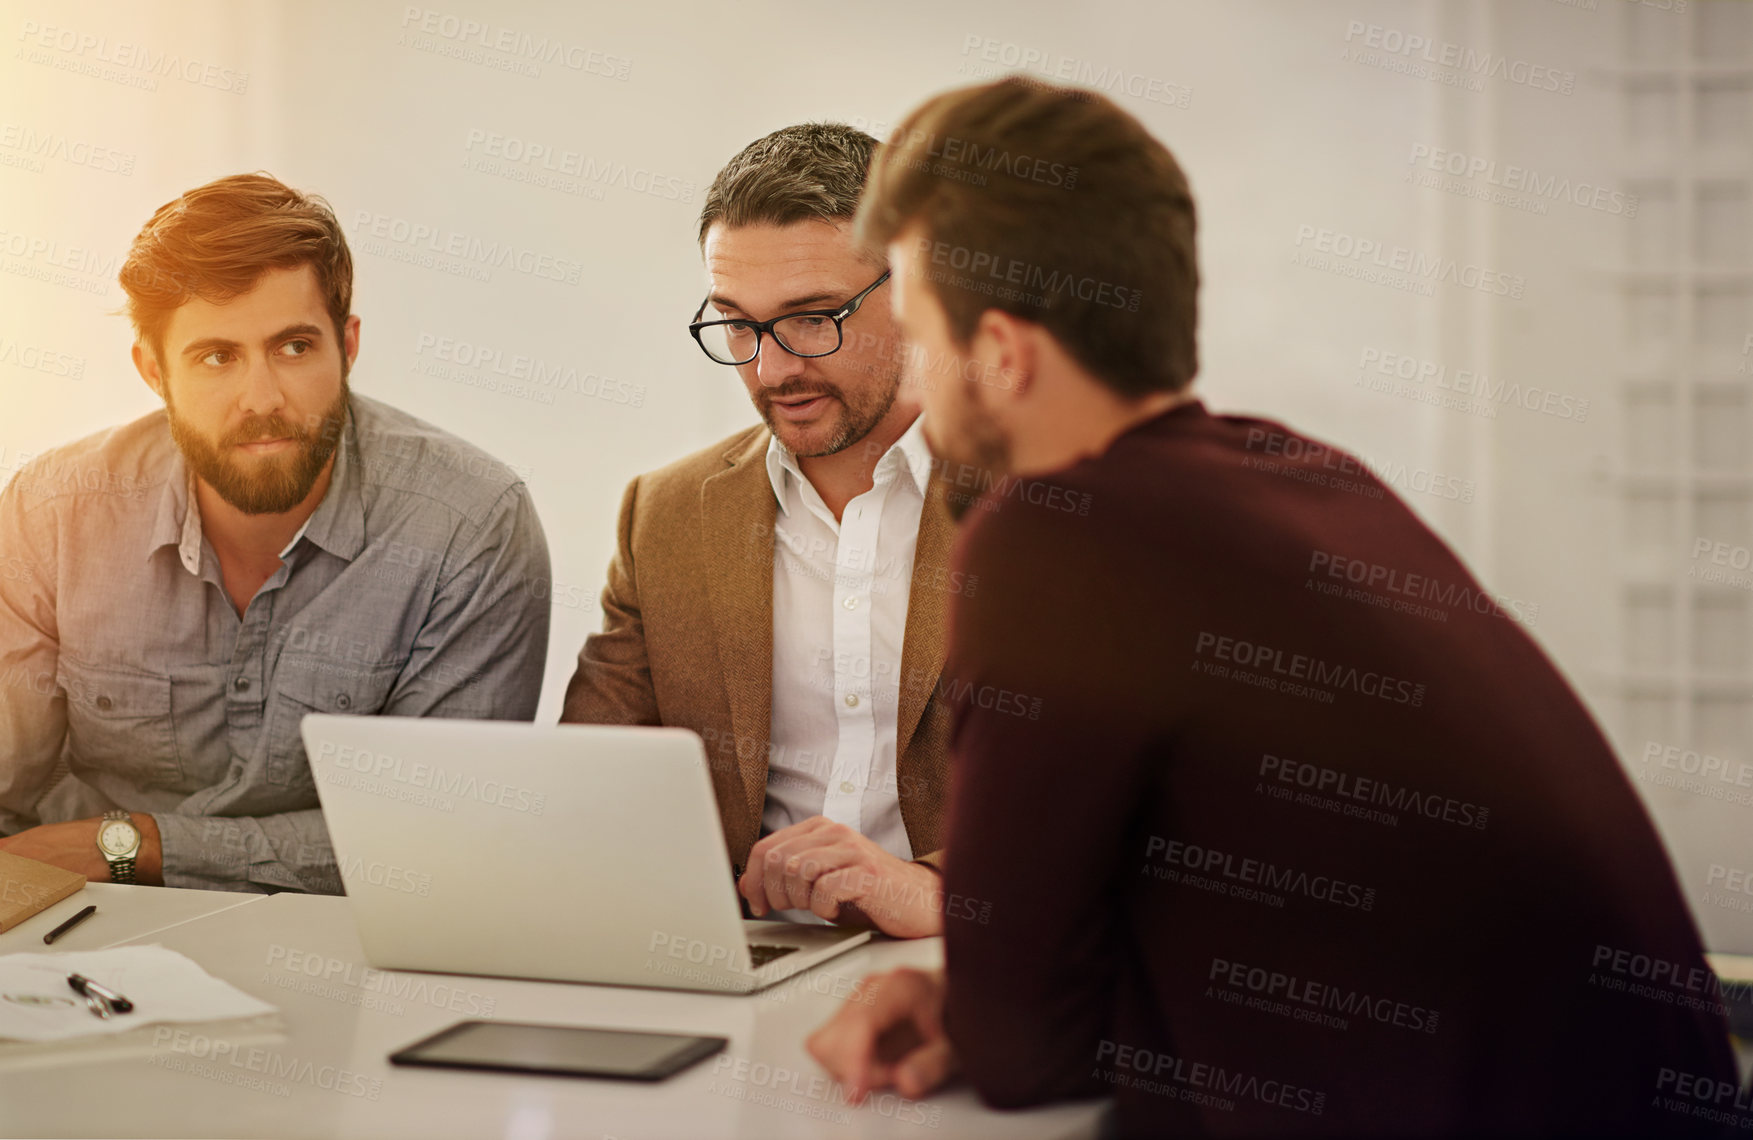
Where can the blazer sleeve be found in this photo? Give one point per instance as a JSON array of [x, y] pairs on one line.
[[612, 684]]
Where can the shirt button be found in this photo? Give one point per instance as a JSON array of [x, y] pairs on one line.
[[851, 602], [851, 700], [104, 703], [343, 702], [242, 684], [846, 787]]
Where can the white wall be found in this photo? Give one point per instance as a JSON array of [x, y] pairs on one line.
[[1281, 130]]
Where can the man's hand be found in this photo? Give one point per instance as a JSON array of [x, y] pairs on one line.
[[892, 1034], [838, 874], [73, 846]]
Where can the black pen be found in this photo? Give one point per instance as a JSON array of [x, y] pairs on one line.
[[110, 998], [69, 924]]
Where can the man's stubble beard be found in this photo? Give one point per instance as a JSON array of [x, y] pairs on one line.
[[276, 486], [856, 422], [974, 440]]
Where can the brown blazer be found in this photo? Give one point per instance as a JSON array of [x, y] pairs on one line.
[[687, 637]]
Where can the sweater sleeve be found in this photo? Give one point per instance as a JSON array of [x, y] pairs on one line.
[[1044, 790]]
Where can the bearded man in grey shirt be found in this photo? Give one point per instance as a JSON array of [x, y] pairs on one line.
[[178, 592]]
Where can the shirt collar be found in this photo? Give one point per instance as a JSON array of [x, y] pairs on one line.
[[909, 452], [916, 453], [337, 525], [178, 522]]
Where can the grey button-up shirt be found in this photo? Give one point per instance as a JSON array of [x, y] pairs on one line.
[[419, 587]]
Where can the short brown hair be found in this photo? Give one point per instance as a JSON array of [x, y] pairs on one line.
[[812, 171], [1052, 204], [215, 242]]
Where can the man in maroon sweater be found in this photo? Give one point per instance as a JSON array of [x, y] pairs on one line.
[[1276, 822]]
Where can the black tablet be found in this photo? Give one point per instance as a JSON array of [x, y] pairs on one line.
[[558, 1050]]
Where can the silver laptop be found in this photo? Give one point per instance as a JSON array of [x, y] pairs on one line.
[[577, 853]]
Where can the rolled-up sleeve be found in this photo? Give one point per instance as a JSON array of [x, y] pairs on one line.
[[289, 851]]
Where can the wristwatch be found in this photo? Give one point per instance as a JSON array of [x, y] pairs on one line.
[[118, 840]]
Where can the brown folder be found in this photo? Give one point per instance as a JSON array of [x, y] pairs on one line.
[[27, 886]]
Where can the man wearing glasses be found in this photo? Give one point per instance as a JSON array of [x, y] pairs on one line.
[[781, 592]]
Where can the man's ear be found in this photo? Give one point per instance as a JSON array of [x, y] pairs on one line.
[[146, 363], [1006, 345], [350, 339]]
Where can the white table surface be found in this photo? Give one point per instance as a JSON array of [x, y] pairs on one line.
[[123, 913], [327, 1074]]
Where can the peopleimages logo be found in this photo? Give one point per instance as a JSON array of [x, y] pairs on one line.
[[514, 50], [1705, 1098], [135, 65], [541, 375], [1198, 1082], [1247, 872], [1694, 763], [564, 163], [271, 1064], [1521, 180], [1686, 984], [34, 146], [809, 1094], [48, 251], [1323, 466], [387, 875], [1304, 999], [1467, 384], [985, 57], [1324, 781], [1451, 596], [966, 158], [1728, 565], [990, 267], [36, 358], [1442, 53], [353, 983], [429, 777], [422, 244], [1303, 667], [1328, 248]]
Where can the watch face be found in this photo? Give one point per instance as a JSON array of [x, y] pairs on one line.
[[117, 837]]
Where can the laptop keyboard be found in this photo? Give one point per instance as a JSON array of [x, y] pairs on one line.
[[760, 955]]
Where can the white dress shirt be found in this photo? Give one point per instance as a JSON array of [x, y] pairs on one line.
[[839, 618]]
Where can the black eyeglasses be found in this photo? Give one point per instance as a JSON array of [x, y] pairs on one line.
[[815, 332]]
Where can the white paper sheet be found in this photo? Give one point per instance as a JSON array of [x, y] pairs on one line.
[[37, 1004]]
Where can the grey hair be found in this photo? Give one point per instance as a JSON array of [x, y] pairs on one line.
[[811, 171]]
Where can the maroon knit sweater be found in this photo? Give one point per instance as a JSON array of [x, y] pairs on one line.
[[1267, 818]]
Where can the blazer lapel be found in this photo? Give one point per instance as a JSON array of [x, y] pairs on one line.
[[737, 512], [923, 643]]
